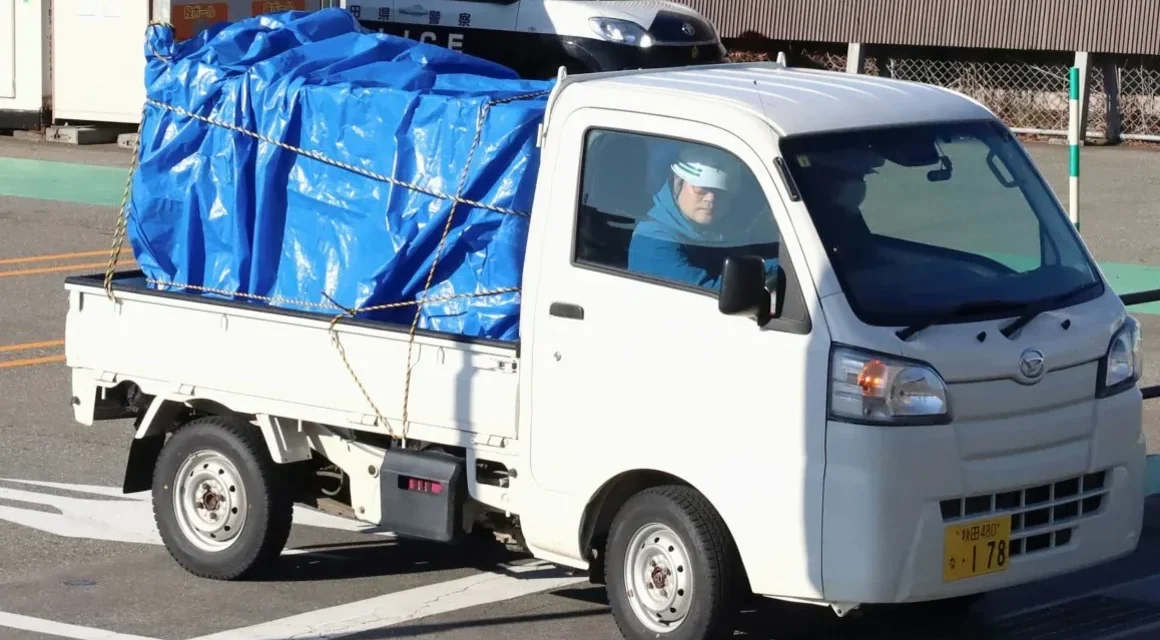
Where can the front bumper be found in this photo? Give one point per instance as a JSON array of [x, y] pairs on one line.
[[890, 494], [606, 56]]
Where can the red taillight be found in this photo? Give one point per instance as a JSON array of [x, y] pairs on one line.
[[424, 486]]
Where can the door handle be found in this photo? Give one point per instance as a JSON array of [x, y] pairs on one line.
[[567, 310]]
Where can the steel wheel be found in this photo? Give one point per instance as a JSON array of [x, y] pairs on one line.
[[209, 501], [659, 574], [222, 506], [672, 568]]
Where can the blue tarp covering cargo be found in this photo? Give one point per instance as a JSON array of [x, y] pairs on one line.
[[221, 203]]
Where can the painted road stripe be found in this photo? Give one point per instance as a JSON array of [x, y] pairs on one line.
[[126, 518], [39, 625], [56, 256], [403, 606], [29, 362], [28, 346], [68, 267]]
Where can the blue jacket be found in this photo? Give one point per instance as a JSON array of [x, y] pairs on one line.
[[668, 245]]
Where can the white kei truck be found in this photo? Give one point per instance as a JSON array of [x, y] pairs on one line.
[[904, 379]]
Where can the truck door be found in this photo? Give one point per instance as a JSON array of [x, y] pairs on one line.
[[633, 366]]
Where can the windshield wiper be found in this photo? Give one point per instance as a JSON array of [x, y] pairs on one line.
[[1040, 306], [959, 311]]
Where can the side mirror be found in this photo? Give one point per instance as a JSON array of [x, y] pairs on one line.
[[744, 290]]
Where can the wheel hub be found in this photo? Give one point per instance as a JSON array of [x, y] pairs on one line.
[[659, 578], [209, 500]]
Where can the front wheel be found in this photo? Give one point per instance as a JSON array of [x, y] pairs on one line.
[[223, 507], [672, 569]]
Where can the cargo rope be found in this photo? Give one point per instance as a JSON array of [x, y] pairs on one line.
[[457, 199]]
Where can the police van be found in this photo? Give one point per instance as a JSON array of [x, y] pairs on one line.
[[537, 37]]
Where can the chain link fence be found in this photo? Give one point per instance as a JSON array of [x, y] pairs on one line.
[[1139, 101], [1029, 94]]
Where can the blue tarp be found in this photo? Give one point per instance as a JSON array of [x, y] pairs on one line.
[[219, 209]]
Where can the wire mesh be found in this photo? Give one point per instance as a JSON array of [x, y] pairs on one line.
[[1030, 96], [1026, 96], [1139, 102]]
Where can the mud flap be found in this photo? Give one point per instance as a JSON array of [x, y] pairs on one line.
[[143, 454], [423, 494]]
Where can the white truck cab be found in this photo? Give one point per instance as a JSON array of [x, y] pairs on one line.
[[537, 37], [820, 337]]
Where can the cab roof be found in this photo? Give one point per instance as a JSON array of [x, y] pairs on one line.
[[797, 100]]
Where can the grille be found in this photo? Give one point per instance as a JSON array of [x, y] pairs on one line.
[[1042, 517], [668, 27]]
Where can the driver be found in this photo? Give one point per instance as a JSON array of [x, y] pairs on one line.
[[683, 237], [834, 190]]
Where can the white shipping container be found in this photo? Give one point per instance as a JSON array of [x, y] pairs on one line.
[[100, 44], [98, 62], [24, 63]]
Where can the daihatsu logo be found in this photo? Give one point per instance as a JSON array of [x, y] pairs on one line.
[[1031, 364]]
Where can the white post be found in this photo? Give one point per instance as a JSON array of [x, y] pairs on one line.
[[1074, 135], [855, 57]]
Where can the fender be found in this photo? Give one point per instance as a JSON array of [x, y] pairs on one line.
[[286, 443], [574, 48], [162, 416]]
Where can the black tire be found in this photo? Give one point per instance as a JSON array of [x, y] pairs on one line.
[[266, 511], [712, 599]]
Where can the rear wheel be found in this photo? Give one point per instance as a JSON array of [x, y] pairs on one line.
[[672, 570], [223, 507]]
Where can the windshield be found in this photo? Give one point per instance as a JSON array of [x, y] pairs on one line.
[[919, 220]]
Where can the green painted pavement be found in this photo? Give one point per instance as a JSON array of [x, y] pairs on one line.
[[62, 181], [105, 186], [1152, 476], [1125, 278]]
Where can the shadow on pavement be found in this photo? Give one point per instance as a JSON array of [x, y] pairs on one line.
[[1120, 599], [436, 628], [384, 558]]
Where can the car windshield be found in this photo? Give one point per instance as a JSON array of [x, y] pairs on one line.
[[921, 220]]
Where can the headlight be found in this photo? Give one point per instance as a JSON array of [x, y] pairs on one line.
[[1123, 364], [878, 389], [621, 31]]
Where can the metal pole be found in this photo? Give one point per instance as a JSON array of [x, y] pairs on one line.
[[1073, 139]]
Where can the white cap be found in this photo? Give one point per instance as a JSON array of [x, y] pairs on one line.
[[704, 168]]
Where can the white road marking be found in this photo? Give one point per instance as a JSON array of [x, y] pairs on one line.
[[395, 608], [129, 518], [38, 625], [118, 517]]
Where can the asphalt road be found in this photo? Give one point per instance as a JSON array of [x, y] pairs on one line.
[[80, 553]]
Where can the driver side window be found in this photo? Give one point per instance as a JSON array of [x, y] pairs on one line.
[[668, 211]]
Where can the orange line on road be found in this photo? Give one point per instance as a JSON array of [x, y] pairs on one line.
[[28, 346], [55, 256], [30, 361], [67, 267]]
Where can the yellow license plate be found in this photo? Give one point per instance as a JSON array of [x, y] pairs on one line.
[[976, 548]]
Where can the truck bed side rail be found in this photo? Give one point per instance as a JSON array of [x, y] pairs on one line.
[[1138, 298]]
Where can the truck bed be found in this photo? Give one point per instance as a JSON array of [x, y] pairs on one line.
[[260, 359]]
